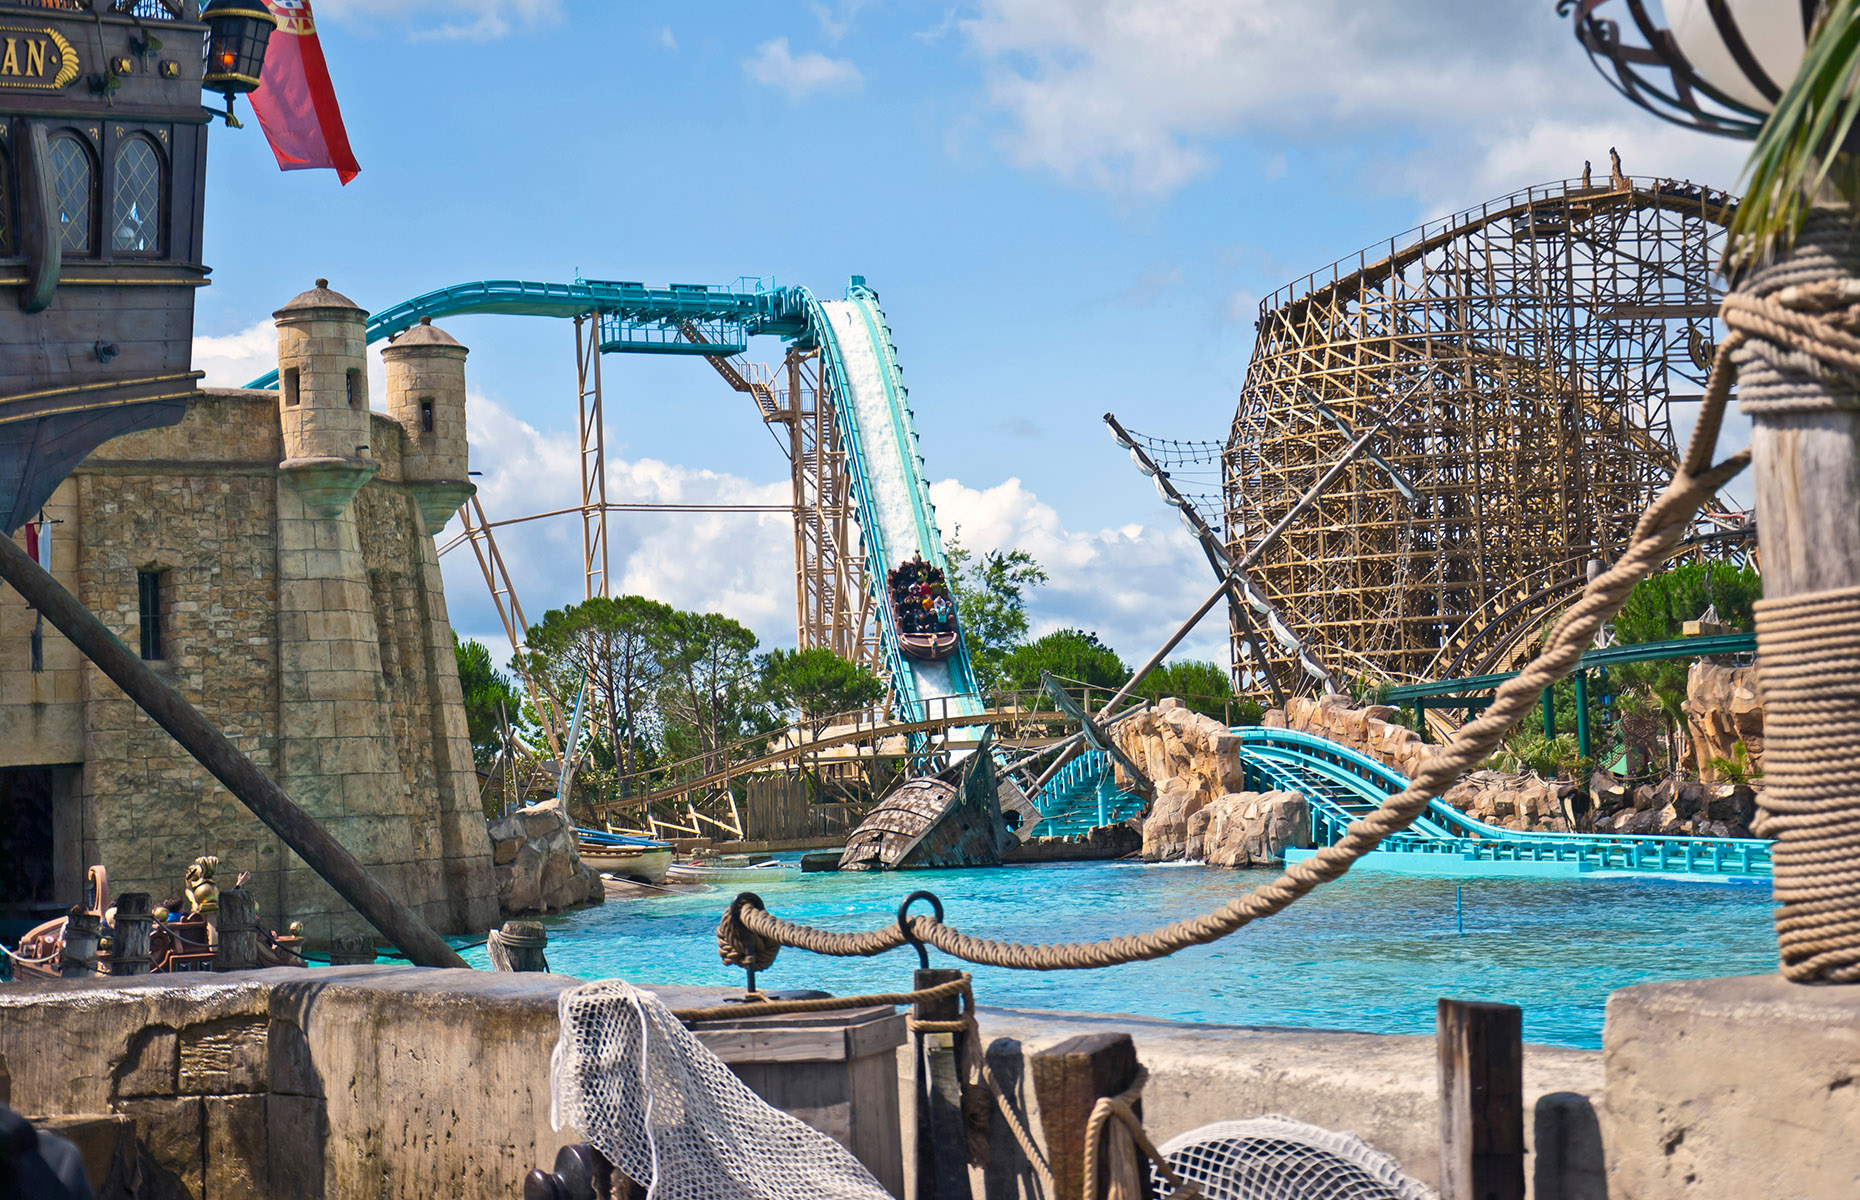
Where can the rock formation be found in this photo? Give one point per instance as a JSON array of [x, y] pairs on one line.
[[535, 863], [1722, 709], [1251, 829], [1367, 730]]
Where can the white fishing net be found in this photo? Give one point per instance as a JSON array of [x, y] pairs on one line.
[[668, 1113], [1277, 1158]]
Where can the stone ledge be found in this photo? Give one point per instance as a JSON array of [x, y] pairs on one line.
[[1746, 1086]]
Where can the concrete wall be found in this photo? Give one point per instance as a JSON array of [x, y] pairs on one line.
[[397, 1082]]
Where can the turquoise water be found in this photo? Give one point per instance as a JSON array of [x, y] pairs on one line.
[[1371, 952]]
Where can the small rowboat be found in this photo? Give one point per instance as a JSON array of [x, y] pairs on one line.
[[731, 868], [623, 854], [631, 862]]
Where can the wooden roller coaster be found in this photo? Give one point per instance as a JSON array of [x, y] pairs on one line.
[[1541, 344]]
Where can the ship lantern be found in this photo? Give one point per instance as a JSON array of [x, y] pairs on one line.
[[1719, 67], [237, 33]]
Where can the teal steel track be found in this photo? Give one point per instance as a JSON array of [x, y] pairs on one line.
[[636, 319], [1341, 785]]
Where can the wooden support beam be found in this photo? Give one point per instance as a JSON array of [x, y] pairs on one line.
[[1068, 1081], [198, 736], [1481, 1051], [942, 1139]]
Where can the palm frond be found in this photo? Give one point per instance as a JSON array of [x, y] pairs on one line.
[[1799, 150]]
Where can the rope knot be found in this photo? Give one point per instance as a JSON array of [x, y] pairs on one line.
[[740, 946]]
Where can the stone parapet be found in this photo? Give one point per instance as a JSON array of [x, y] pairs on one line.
[[1733, 1087], [402, 1083]]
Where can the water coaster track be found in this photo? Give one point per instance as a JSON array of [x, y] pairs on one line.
[[859, 376], [1341, 785]]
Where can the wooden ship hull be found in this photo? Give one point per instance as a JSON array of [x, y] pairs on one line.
[[929, 822]]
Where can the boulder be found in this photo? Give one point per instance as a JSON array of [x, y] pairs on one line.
[[1196, 850], [1254, 829], [1641, 820], [1722, 709], [1732, 804], [537, 868], [1165, 831]]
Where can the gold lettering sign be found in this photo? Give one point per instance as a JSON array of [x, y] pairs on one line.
[[36, 58]]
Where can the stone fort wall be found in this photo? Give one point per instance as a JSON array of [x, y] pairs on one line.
[[313, 632]]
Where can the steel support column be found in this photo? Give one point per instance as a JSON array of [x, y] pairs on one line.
[[592, 426]]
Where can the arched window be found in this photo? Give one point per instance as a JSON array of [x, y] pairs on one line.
[[135, 209], [73, 177], [6, 204]]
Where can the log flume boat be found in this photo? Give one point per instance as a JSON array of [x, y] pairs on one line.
[[921, 610]]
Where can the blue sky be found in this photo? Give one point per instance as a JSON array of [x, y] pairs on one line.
[[1067, 207]]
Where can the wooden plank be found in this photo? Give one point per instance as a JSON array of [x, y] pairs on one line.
[[1481, 1053], [1068, 1080]]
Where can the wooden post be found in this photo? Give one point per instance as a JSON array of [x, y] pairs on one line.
[[518, 946], [237, 922], [942, 1140], [252, 787], [134, 922], [1481, 1052], [83, 928], [1068, 1080]]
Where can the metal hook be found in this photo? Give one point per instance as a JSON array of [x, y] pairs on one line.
[[904, 923]]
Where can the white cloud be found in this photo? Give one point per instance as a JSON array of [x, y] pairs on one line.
[[836, 21], [235, 359], [458, 20], [775, 65], [667, 38], [1132, 96], [1131, 584]]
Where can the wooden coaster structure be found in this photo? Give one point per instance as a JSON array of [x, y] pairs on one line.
[[1554, 334]]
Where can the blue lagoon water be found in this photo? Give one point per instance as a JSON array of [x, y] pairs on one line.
[[1371, 952]]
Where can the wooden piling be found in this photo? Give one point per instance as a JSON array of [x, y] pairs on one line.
[[134, 923], [83, 929], [1068, 1080], [942, 1139], [518, 946], [1481, 1051], [236, 949]]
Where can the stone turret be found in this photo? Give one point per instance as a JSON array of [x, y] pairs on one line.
[[426, 394], [323, 398]]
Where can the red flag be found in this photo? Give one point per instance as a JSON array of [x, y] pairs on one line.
[[295, 102]]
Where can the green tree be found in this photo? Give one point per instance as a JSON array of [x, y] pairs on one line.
[[489, 700], [1070, 654], [709, 692], [621, 647], [1202, 686], [812, 685], [990, 594]]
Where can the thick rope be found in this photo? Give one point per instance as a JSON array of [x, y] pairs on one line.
[[1799, 321], [1122, 1109], [1659, 530]]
